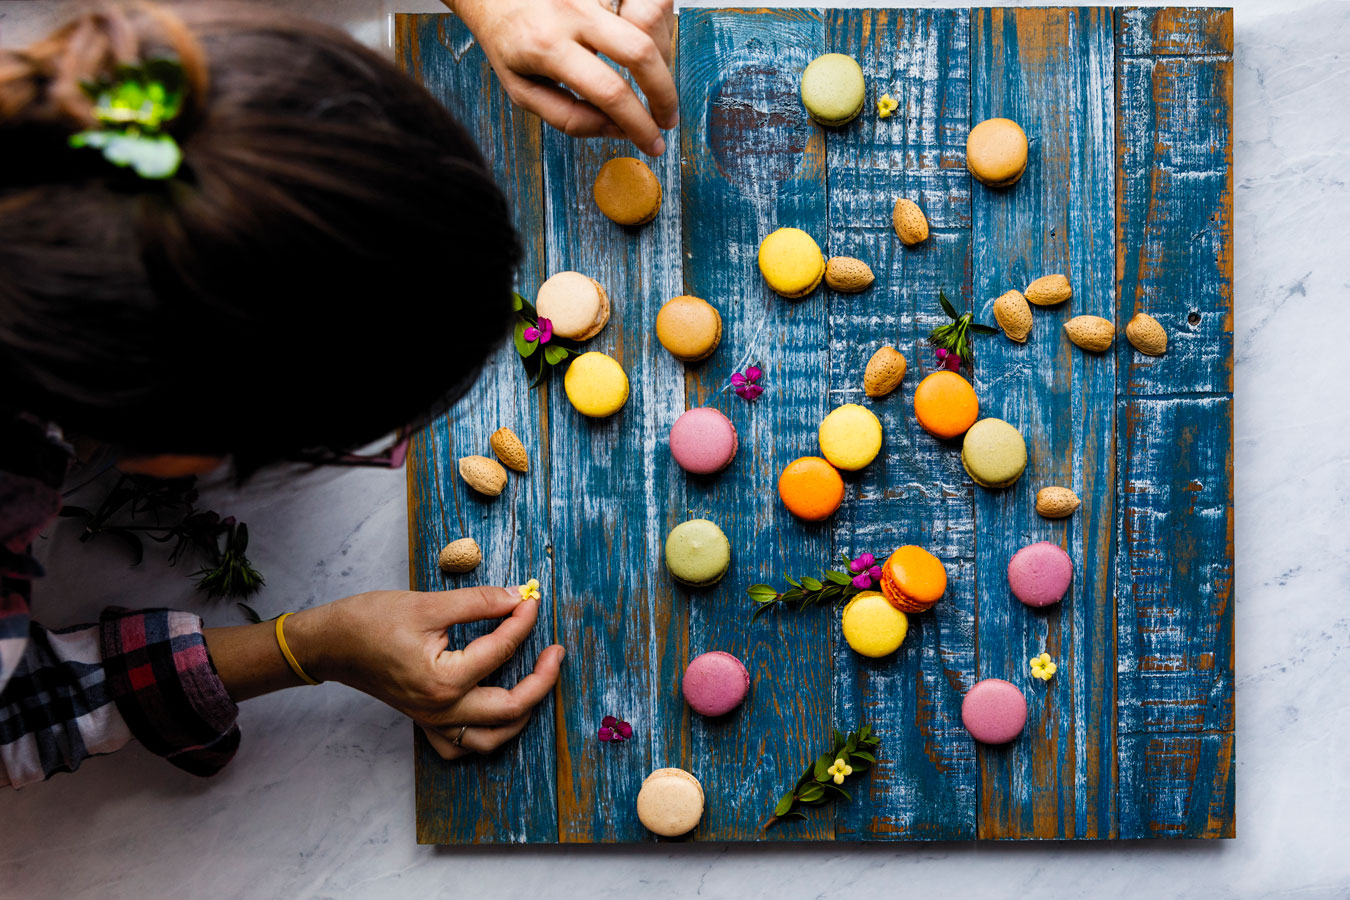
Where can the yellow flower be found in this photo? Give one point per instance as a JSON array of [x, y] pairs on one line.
[[887, 105], [839, 770], [1043, 667], [530, 590]]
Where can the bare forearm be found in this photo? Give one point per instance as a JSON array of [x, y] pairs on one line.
[[250, 662]]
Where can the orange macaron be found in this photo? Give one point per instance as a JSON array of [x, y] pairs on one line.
[[945, 404], [811, 488], [913, 579]]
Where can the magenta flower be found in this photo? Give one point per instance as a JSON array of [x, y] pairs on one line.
[[744, 382], [543, 334], [865, 570], [948, 359], [862, 563], [614, 730]]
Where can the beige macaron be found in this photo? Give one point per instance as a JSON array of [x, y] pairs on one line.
[[576, 305], [689, 327], [670, 802], [996, 152]]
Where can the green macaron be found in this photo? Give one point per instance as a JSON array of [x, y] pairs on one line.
[[698, 553], [832, 89], [994, 453]]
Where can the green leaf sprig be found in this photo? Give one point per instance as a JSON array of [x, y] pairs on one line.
[[955, 337], [848, 755], [133, 109], [832, 587], [540, 350]]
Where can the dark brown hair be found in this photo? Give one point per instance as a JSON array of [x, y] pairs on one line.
[[331, 261]]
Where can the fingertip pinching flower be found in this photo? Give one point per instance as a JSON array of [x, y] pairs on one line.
[[614, 730], [865, 571], [1043, 667], [840, 770], [744, 383], [529, 590], [886, 105], [543, 333]]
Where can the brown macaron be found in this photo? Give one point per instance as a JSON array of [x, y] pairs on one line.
[[577, 305], [996, 152], [627, 191], [689, 327]]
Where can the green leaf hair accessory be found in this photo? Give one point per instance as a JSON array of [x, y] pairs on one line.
[[133, 108]]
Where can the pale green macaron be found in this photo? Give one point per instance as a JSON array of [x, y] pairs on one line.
[[698, 553], [994, 453], [833, 90]]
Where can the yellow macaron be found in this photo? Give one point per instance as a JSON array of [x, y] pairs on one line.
[[872, 626], [996, 152], [791, 262], [850, 437], [596, 385]]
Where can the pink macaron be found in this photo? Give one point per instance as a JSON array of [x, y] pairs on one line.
[[715, 683], [994, 711], [1040, 574], [703, 441]]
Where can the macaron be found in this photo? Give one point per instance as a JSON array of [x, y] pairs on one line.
[[945, 404], [596, 385], [689, 327], [703, 441], [850, 437], [811, 488], [872, 626], [1040, 574], [670, 802], [994, 711], [627, 191], [913, 579], [791, 262], [996, 152], [577, 305], [715, 683], [994, 453], [698, 553], [833, 89]]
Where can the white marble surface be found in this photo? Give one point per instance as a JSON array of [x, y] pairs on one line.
[[319, 803]]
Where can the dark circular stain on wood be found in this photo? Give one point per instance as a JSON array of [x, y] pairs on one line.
[[757, 128]]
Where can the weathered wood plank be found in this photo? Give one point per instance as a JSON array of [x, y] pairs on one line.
[[614, 494], [1050, 70], [1177, 785], [924, 786], [752, 162], [498, 798]]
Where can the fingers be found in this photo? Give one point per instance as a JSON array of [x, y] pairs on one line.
[[474, 739], [499, 706], [656, 18], [637, 51], [471, 604], [486, 654], [558, 108], [594, 81]]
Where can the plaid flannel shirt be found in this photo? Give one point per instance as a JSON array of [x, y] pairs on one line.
[[69, 694]]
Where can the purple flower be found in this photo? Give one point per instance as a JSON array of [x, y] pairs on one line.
[[863, 562], [614, 730], [862, 582], [948, 359], [875, 572], [744, 383], [866, 571], [543, 334]]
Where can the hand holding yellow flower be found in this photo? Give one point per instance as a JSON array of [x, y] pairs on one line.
[[530, 590], [1043, 667]]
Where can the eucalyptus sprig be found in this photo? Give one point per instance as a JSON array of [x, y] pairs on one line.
[[834, 586], [954, 340], [848, 755], [539, 348]]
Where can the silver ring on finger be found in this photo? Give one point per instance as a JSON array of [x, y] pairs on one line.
[[458, 740], [614, 6]]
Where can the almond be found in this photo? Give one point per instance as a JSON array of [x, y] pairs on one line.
[[1090, 332], [910, 224], [486, 476], [885, 371], [1049, 290], [509, 449], [1056, 502], [848, 275], [1147, 335], [458, 557], [1013, 316]]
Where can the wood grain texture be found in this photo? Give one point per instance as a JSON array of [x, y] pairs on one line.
[[509, 802], [753, 162], [924, 786], [1051, 71]]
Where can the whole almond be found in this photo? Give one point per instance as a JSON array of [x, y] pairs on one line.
[[1056, 502], [848, 275], [1013, 316], [486, 476], [885, 370], [1147, 335], [1049, 290], [509, 449], [1090, 332], [458, 557], [910, 225]]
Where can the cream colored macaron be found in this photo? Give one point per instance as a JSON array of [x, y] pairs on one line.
[[670, 802], [576, 305], [996, 152]]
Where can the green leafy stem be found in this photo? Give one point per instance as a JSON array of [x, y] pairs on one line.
[[848, 755], [955, 337], [538, 357], [832, 587]]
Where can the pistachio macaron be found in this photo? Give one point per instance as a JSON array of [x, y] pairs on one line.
[[627, 191], [689, 327], [833, 89], [576, 304], [698, 553], [872, 625], [791, 262], [596, 385], [670, 802], [996, 152], [994, 453], [850, 437]]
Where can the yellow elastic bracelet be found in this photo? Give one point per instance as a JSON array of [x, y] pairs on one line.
[[290, 657]]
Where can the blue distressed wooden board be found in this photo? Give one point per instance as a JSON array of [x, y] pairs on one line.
[[1128, 191]]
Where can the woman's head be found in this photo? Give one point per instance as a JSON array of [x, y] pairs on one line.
[[331, 260]]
